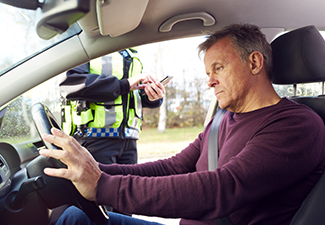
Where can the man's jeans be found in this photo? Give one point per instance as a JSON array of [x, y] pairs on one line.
[[75, 216]]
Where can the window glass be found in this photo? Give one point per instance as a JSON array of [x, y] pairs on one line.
[[310, 89], [18, 35], [17, 125]]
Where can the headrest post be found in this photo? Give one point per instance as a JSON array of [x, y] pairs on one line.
[[294, 89]]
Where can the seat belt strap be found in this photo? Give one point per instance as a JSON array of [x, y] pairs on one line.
[[213, 153], [213, 144]]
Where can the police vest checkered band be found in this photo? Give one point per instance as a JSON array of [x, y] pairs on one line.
[[110, 132], [102, 132]]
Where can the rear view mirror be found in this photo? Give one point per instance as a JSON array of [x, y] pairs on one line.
[[25, 4], [55, 16]]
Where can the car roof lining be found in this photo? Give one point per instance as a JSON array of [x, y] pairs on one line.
[[271, 15]]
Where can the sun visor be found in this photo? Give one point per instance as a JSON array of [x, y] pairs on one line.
[[125, 19]]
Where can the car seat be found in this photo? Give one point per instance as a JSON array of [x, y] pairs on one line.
[[299, 57]]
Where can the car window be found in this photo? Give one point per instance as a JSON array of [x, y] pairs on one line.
[[178, 58], [312, 89], [17, 124]]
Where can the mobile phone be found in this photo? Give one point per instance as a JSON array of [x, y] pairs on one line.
[[166, 79], [163, 81]]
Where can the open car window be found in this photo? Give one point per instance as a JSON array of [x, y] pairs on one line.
[[177, 58]]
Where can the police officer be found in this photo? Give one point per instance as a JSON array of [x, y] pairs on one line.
[[102, 105]]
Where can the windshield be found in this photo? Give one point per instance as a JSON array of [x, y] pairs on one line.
[[19, 38]]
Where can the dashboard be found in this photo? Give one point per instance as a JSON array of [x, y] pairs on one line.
[[19, 197]]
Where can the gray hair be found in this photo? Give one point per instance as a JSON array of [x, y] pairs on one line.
[[246, 38]]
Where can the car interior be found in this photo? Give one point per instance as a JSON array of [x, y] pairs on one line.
[[27, 194]]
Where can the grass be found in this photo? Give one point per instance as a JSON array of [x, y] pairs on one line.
[[155, 144], [151, 135]]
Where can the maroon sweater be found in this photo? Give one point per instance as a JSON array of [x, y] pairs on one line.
[[270, 159]]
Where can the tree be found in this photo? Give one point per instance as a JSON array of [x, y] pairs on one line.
[[161, 74], [186, 99]]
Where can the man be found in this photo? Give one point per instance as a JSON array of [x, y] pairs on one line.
[[103, 106], [264, 171]]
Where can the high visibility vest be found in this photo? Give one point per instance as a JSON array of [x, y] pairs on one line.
[[119, 118]]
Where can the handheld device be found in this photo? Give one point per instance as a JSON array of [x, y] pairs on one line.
[[166, 79], [163, 81]]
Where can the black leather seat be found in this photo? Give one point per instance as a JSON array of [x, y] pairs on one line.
[[299, 57]]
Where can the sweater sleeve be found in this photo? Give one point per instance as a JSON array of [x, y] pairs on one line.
[[78, 83], [183, 162], [163, 188], [147, 103]]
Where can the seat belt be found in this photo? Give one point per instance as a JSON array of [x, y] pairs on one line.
[[213, 153], [213, 144]]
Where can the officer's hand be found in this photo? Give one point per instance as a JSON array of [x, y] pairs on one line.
[[82, 169], [155, 91], [139, 81]]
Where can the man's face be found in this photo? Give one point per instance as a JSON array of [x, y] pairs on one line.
[[229, 76]]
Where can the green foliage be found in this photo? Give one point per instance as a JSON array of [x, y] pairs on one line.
[[190, 116], [185, 106]]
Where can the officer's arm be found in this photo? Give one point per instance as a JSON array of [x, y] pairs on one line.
[[147, 103], [78, 83]]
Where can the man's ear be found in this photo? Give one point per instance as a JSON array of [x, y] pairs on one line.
[[256, 60]]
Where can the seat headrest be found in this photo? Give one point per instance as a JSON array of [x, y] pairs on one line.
[[298, 57]]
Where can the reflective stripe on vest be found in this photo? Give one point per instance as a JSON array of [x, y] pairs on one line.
[[67, 124], [135, 116]]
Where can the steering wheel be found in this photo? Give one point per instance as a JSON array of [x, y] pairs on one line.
[[58, 191]]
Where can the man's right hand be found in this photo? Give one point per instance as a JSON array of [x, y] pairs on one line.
[[82, 169]]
